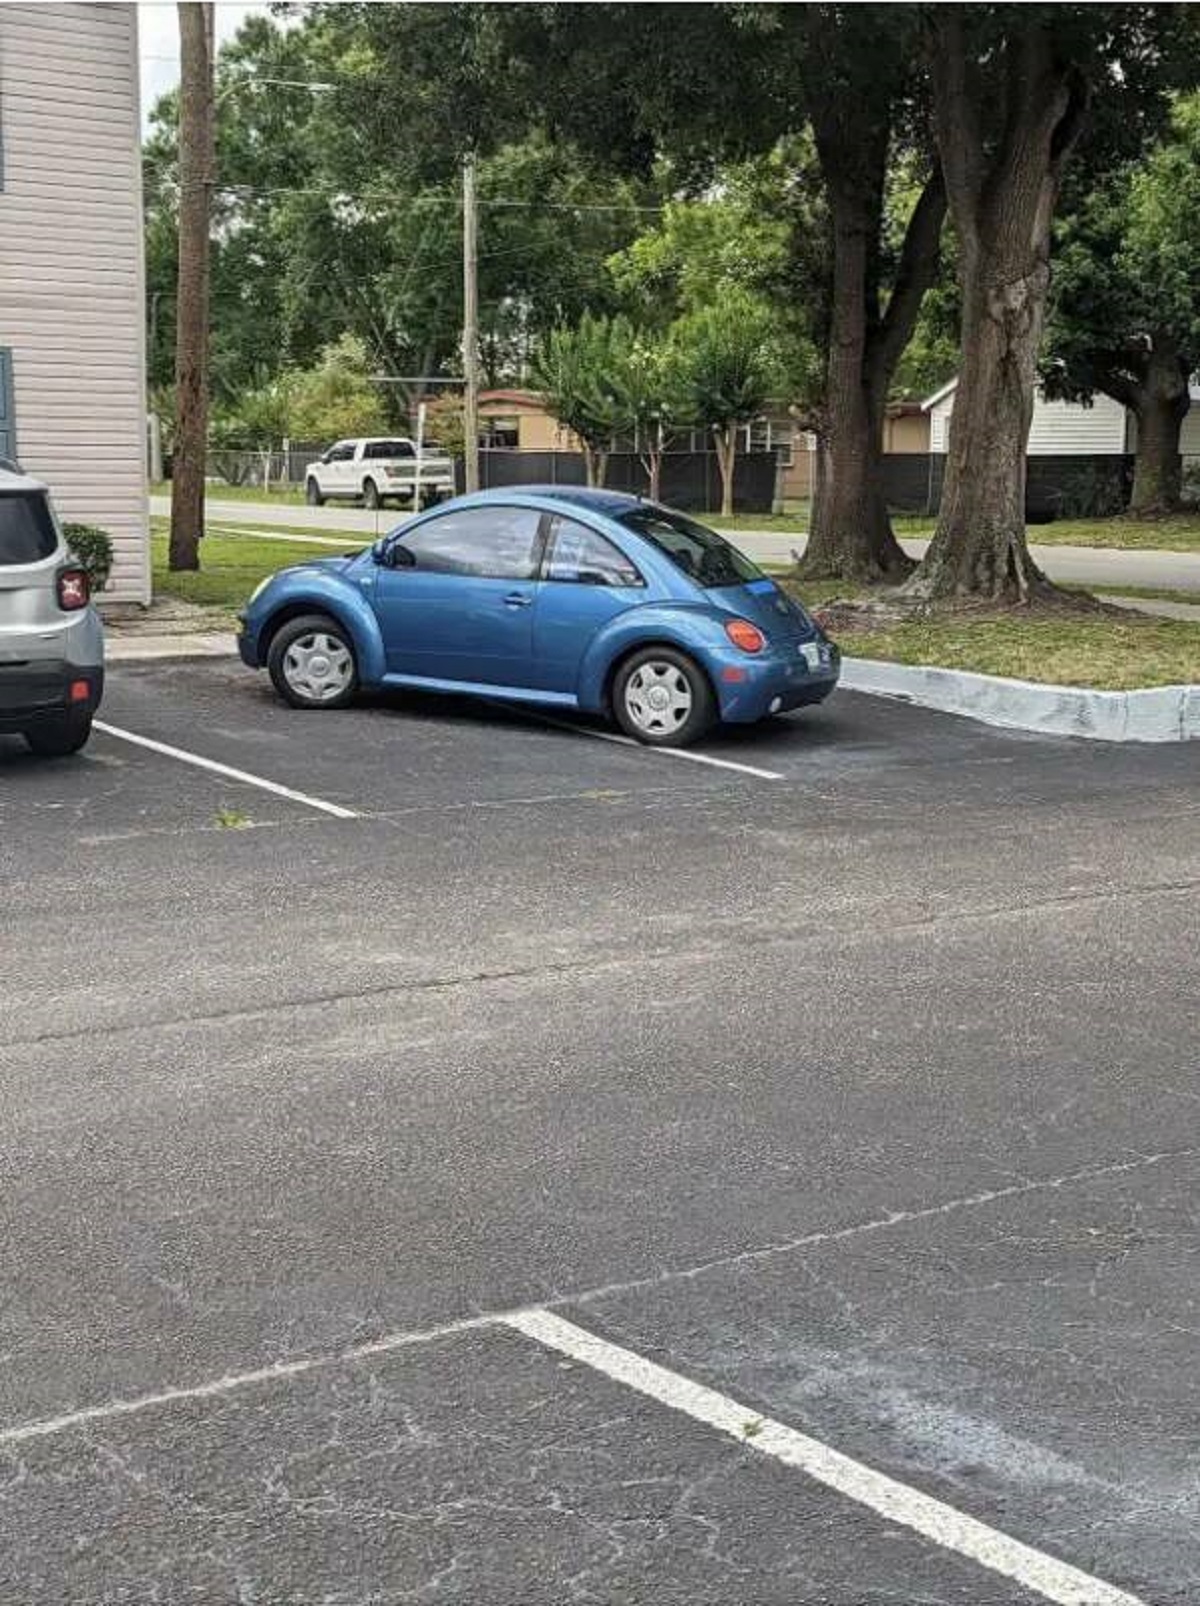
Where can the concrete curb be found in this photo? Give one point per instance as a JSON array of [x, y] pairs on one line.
[[120, 649], [1157, 714]]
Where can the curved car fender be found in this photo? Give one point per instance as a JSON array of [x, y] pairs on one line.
[[691, 626], [325, 593]]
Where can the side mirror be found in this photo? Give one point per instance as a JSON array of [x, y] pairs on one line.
[[392, 554]]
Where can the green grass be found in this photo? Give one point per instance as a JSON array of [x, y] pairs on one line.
[[1064, 651], [231, 567], [1149, 593], [1178, 534], [277, 496], [1110, 652], [305, 531]]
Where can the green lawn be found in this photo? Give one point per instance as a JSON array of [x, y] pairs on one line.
[[232, 565], [1178, 534], [1086, 651], [277, 496]]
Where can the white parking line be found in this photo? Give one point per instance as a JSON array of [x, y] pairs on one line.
[[948, 1528], [666, 752], [200, 763]]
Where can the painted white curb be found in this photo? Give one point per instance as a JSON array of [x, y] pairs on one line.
[[132, 649], [1158, 714]]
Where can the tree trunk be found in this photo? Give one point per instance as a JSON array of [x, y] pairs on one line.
[[651, 462], [1002, 194], [850, 532], [595, 463], [726, 439], [979, 546], [850, 535], [1161, 407], [196, 163]]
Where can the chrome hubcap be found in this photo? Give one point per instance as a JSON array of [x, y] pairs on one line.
[[658, 698], [318, 666]]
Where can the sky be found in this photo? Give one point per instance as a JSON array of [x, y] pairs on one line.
[[158, 42]]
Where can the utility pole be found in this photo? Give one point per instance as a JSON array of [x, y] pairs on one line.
[[197, 161], [470, 335]]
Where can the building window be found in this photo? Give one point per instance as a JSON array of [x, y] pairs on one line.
[[772, 435], [499, 434], [8, 421]]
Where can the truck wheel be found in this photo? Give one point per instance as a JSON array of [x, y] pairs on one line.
[[370, 494], [312, 494]]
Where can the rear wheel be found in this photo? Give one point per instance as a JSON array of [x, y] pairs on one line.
[[370, 494], [312, 494], [663, 698], [311, 662], [59, 738]]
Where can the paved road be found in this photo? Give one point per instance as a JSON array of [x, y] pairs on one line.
[[1072, 565], [863, 1096]]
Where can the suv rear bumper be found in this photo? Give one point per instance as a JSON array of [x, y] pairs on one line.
[[32, 694]]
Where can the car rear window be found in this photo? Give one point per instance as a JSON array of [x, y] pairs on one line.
[[697, 550], [384, 449], [27, 532]]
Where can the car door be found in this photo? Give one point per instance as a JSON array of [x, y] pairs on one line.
[[586, 581], [337, 478], [455, 596]]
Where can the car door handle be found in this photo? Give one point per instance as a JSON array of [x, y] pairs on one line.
[[518, 599]]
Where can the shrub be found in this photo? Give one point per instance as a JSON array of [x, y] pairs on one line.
[[94, 549]]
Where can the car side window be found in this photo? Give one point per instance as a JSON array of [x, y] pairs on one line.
[[498, 543], [579, 554], [340, 453]]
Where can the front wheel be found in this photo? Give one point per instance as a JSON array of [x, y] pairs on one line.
[[59, 738], [663, 698], [311, 663], [312, 494]]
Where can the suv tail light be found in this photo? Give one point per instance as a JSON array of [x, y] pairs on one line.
[[745, 635], [73, 589]]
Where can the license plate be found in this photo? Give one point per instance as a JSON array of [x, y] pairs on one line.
[[814, 656]]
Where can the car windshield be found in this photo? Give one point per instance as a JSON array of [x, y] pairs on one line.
[[700, 552], [26, 529]]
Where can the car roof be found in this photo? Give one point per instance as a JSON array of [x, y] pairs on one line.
[[596, 498], [13, 480]]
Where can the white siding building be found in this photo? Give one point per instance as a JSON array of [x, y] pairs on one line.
[[1069, 429], [1059, 429], [72, 357]]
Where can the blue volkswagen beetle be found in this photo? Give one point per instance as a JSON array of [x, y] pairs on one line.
[[557, 596]]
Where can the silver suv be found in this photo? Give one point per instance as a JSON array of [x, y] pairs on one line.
[[51, 638]]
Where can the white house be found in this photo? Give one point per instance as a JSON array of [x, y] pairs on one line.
[[1068, 429], [72, 355]]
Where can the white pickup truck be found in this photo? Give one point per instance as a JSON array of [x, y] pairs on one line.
[[377, 469]]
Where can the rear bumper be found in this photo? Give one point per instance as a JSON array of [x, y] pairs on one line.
[[34, 694], [773, 685]]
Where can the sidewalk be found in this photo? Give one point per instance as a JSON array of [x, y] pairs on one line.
[[168, 628]]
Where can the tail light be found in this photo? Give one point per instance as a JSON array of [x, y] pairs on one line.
[[73, 589], [745, 635]]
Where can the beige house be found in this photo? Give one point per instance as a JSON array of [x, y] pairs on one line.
[[517, 420], [72, 358]]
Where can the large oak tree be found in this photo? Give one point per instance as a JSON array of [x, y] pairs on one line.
[[1011, 89], [1125, 319]]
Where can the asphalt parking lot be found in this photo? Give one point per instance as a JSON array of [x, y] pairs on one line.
[[461, 1158]]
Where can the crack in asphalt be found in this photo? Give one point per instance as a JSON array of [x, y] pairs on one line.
[[746, 935], [282, 1370]]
